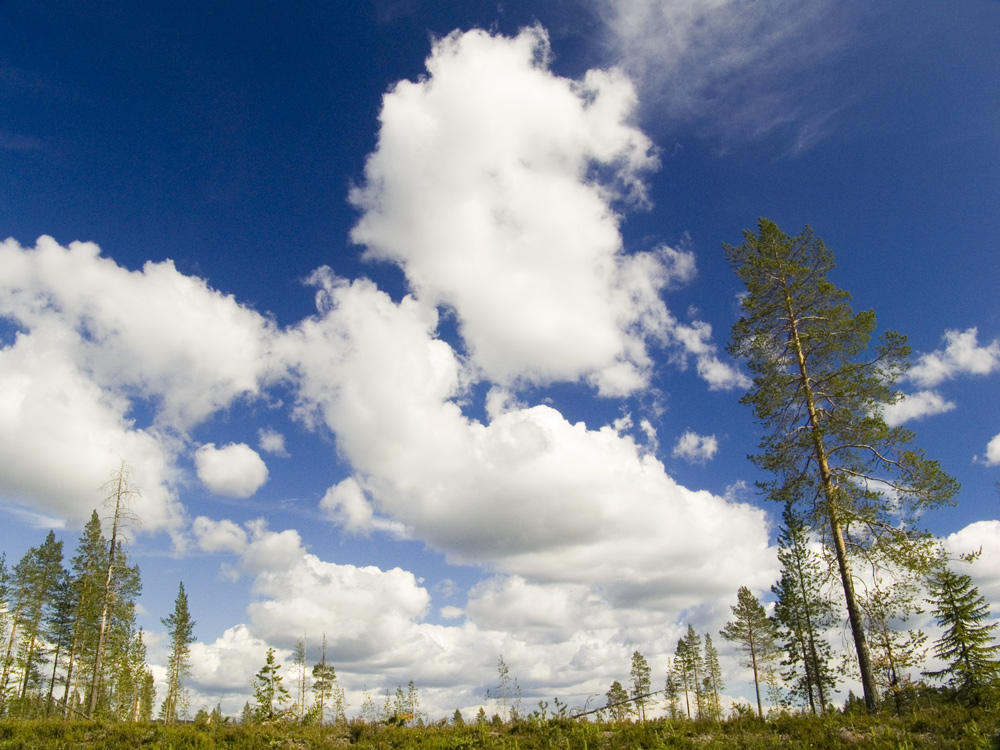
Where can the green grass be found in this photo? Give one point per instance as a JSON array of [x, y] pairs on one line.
[[945, 727]]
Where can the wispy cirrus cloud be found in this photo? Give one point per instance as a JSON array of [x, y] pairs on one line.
[[736, 69]]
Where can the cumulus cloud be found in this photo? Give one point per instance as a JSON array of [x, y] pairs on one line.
[[347, 505], [695, 448], [271, 441], [482, 190], [223, 665], [359, 608], [528, 492], [985, 571], [62, 436], [219, 536], [992, 456], [94, 340], [234, 470], [916, 406], [962, 355], [565, 636], [155, 332]]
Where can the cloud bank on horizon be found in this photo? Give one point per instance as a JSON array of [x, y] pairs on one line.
[[498, 188]]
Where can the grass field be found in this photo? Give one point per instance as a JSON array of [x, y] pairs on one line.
[[936, 727]]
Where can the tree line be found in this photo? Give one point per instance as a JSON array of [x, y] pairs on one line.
[[69, 644]]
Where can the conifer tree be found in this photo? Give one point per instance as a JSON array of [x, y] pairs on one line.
[[180, 630], [505, 689], [116, 685], [88, 569], [324, 683], [130, 677], [692, 671], [269, 693], [755, 633], [147, 696], [7, 626], [803, 614], [672, 692], [617, 703], [299, 665], [821, 401], [967, 646], [369, 711], [59, 630], [684, 674], [37, 577], [120, 491], [712, 683], [640, 683], [412, 703]]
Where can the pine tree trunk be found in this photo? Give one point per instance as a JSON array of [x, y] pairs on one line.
[[72, 663], [830, 493]]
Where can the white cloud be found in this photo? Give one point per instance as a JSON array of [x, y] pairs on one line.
[[695, 448], [568, 637], [234, 470], [271, 441], [219, 536], [362, 610], [227, 663], [962, 355], [529, 492], [737, 69], [985, 571], [346, 504], [95, 341], [62, 436], [270, 551], [696, 339], [992, 457], [916, 406], [480, 189], [156, 332]]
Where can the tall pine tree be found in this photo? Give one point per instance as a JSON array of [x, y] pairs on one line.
[[180, 630], [324, 683], [756, 634], [821, 400], [38, 576], [713, 684], [88, 570], [640, 683], [120, 489]]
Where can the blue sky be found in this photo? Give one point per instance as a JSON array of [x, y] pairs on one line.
[[411, 318]]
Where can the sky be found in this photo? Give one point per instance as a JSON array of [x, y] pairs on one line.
[[411, 318]]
